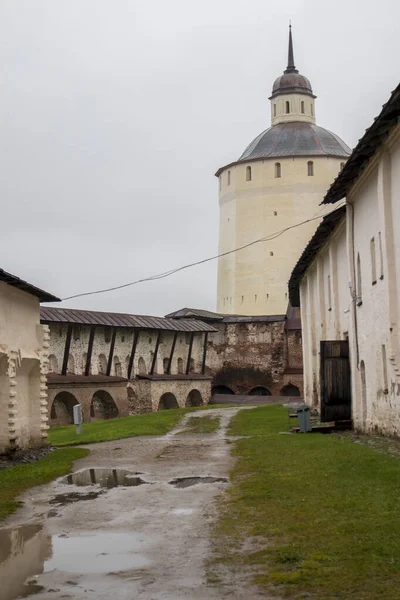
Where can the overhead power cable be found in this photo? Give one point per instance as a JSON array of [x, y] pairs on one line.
[[273, 236]]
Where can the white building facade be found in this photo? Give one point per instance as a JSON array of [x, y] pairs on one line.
[[24, 344], [348, 280]]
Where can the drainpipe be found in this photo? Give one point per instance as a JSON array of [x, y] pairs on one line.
[[353, 291]]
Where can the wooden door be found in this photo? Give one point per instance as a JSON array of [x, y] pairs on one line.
[[335, 381]]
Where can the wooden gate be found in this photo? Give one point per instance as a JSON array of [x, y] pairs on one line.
[[335, 381]]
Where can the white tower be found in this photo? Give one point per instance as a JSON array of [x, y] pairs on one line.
[[278, 181]]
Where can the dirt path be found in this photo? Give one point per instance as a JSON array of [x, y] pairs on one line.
[[145, 542]]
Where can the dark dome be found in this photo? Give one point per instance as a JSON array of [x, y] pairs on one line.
[[291, 82], [296, 139]]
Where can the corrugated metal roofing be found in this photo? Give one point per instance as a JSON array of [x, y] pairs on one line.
[[328, 224], [16, 282], [90, 317], [295, 139], [366, 148], [183, 313]]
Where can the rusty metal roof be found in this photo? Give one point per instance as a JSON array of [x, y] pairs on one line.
[[327, 225], [184, 313], [367, 146], [55, 378], [295, 139], [16, 282], [108, 319]]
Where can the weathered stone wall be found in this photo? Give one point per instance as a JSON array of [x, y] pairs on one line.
[[182, 390], [123, 346], [98, 401], [243, 356]]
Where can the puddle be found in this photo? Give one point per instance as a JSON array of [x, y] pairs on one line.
[[97, 553], [184, 482], [107, 478], [23, 551], [64, 499]]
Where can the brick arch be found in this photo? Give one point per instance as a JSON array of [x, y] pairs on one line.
[[62, 409], [260, 390], [103, 406], [168, 401], [194, 398], [289, 390]]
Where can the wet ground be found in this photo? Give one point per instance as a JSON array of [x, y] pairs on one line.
[[132, 522]]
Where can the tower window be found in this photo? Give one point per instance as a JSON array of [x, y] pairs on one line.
[[287, 104], [274, 110], [312, 110], [310, 168], [229, 178], [278, 170], [248, 173], [302, 107]]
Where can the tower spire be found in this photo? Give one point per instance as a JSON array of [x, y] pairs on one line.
[[290, 66]]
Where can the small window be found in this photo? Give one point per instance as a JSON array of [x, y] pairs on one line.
[[302, 107], [380, 257], [255, 297], [248, 173], [107, 335], [359, 282], [310, 168], [373, 261], [341, 166], [77, 333], [275, 213], [278, 171], [287, 104], [229, 178], [165, 365], [329, 293], [271, 253], [274, 110], [312, 110]]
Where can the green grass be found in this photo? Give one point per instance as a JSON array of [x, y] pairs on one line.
[[322, 512], [208, 424], [15, 480], [156, 423]]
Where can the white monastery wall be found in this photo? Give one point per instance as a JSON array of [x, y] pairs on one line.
[[23, 364]]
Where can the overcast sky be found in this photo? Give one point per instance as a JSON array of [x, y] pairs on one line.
[[115, 115]]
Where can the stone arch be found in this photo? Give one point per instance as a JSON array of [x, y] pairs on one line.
[[103, 406], [221, 389], [71, 364], [117, 366], [62, 409], [259, 390], [102, 366], [290, 390], [142, 366], [53, 364], [180, 366], [194, 398], [167, 401]]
